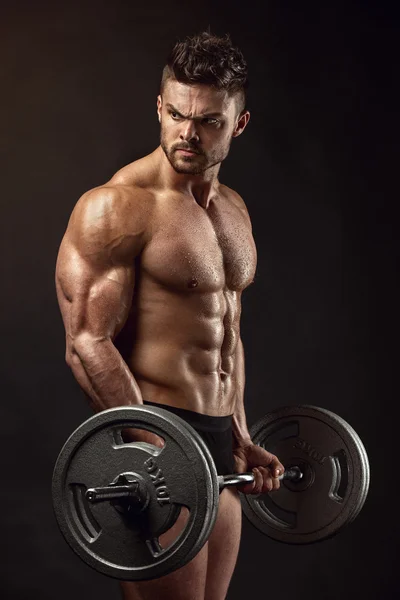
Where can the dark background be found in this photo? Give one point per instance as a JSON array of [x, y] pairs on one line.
[[317, 167]]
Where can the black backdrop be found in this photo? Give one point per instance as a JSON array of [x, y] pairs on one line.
[[317, 167]]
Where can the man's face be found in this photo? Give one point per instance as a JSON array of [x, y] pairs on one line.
[[199, 119]]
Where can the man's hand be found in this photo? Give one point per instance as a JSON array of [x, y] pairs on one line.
[[265, 467], [132, 434]]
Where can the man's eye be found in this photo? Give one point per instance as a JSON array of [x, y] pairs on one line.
[[210, 121], [174, 115]]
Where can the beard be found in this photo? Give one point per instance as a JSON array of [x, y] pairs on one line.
[[193, 165]]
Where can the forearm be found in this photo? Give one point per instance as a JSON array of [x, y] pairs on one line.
[[103, 375], [241, 435]]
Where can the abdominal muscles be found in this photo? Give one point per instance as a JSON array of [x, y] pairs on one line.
[[181, 348]]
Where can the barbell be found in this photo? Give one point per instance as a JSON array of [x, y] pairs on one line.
[[113, 500]]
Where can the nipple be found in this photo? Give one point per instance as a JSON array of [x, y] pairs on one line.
[[193, 283]]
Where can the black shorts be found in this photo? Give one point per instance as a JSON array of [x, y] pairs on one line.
[[215, 431]]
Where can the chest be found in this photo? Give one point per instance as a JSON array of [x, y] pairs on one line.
[[200, 249]]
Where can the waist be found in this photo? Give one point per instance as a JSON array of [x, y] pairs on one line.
[[198, 420]]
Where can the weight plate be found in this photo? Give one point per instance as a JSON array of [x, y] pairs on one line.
[[182, 473], [214, 489], [335, 482]]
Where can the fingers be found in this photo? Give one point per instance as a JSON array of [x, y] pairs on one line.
[[263, 481], [134, 434], [254, 487], [266, 475], [276, 467], [247, 488]]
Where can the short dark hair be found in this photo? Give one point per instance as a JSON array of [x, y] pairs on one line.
[[211, 60]]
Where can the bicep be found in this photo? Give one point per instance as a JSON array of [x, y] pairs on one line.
[[94, 300], [95, 266]]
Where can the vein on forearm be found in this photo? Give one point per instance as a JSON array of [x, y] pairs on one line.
[[103, 374], [240, 431]]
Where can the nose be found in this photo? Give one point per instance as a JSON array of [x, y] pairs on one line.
[[189, 132]]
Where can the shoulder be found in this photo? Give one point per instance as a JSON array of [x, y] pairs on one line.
[[109, 221], [111, 205]]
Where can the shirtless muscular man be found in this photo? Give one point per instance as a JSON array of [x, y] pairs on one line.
[[149, 279]]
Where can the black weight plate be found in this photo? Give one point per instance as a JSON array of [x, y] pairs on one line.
[[94, 456], [336, 475], [364, 470], [214, 490]]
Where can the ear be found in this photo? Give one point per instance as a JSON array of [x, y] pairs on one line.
[[243, 119], [159, 107]]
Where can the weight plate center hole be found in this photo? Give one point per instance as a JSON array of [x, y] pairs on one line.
[[308, 475]]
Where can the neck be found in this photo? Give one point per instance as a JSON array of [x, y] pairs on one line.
[[200, 187]]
